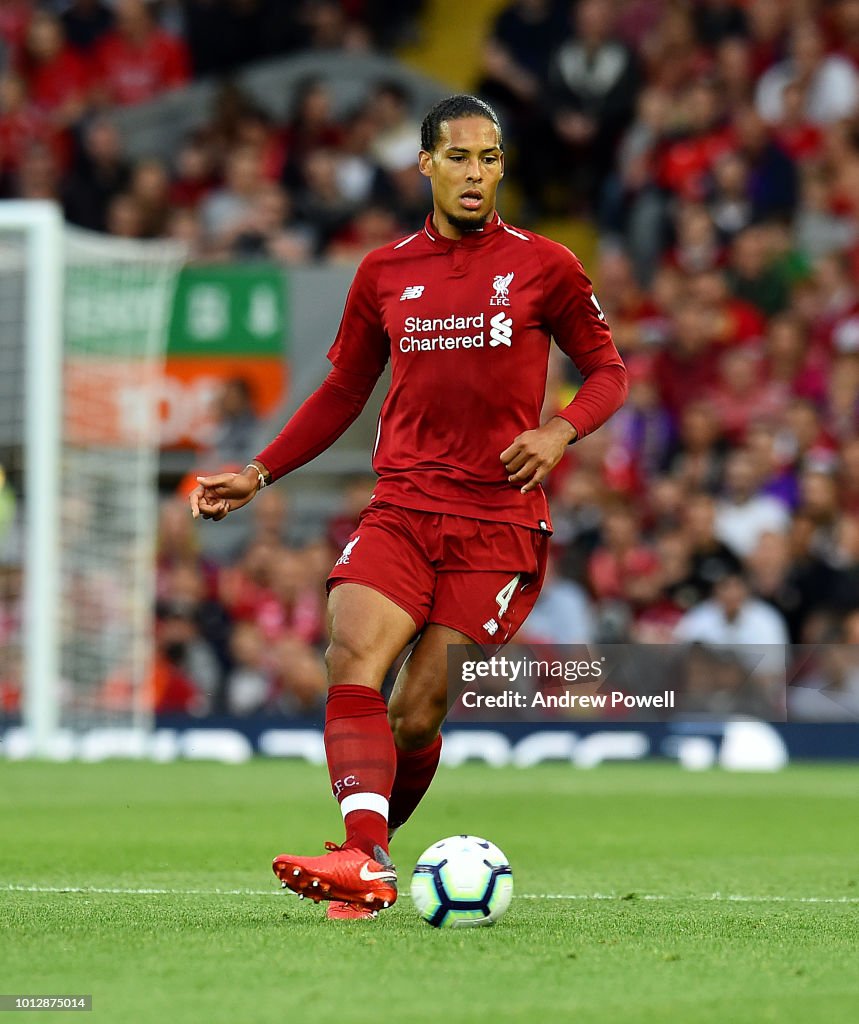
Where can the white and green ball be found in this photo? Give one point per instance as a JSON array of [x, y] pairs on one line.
[[462, 882]]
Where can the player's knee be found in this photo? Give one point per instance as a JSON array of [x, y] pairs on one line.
[[415, 728], [347, 661]]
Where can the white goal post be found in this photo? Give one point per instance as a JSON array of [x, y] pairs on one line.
[[83, 324], [42, 227]]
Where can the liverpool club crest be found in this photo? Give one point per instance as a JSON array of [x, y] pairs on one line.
[[501, 284]]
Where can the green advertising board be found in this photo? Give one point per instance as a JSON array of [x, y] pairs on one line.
[[116, 310], [229, 310]]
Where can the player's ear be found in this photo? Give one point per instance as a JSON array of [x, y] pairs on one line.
[[425, 163]]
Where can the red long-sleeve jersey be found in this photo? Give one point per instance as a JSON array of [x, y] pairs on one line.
[[467, 326]]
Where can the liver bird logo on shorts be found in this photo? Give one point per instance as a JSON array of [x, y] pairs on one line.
[[501, 284], [347, 551]]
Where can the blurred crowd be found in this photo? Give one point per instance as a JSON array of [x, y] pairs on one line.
[[245, 634], [714, 148], [243, 186]]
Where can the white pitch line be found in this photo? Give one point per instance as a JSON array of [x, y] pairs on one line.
[[139, 892], [714, 897]]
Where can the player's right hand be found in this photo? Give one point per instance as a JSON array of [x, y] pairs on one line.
[[216, 496]]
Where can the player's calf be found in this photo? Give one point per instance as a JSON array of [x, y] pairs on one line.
[[416, 728]]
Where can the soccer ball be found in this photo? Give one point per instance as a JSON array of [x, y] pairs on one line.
[[462, 882]]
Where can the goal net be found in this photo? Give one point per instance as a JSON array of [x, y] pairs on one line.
[[83, 325]]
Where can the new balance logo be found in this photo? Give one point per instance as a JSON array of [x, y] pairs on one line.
[[501, 330], [347, 551], [491, 627], [412, 291]]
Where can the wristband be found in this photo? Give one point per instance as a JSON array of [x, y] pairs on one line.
[[260, 475]]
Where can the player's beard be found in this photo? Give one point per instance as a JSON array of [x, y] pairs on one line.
[[466, 224]]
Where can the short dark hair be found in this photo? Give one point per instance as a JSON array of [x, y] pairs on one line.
[[451, 108]]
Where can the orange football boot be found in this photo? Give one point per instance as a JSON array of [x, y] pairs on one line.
[[344, 875]]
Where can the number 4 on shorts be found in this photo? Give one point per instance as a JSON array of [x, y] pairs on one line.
[[505, 594]]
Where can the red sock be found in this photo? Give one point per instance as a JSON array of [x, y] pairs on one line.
[[415, 771], [359, 747]]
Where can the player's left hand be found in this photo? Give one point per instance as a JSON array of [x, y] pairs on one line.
[[535, 453]]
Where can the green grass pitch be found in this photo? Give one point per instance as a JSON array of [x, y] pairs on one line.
[[644, 894]]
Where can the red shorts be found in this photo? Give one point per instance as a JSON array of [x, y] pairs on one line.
[[473, 575]]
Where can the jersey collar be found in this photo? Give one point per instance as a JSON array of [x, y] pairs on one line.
[[469, 239]]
